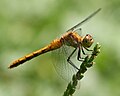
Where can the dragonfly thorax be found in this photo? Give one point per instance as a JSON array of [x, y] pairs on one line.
[[72, 39], [87, 41]]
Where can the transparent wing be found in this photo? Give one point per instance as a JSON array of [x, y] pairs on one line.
[[79, 31], [79, 24], [63, 68]]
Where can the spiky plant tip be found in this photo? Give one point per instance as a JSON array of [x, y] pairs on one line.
[[87, 63]]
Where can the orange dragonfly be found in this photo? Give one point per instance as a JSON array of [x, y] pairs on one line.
[[70, 38]]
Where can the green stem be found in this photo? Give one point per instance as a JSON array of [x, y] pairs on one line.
[[87, 63]]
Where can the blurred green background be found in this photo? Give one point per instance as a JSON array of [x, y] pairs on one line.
[[27, 25]]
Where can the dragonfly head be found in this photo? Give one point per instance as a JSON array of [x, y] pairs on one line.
[[87, 41]]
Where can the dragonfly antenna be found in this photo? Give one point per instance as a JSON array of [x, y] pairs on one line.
[[79, 24]]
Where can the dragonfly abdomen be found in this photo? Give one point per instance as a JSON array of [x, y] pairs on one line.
[[55, 44]]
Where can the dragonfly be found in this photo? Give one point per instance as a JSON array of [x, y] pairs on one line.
[[71, 39]]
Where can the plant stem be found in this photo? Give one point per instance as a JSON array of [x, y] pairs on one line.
[[87, 63]]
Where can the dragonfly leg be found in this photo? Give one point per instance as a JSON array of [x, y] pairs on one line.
[[84, 51], [70, 62], [79, 58], [88, 49]]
